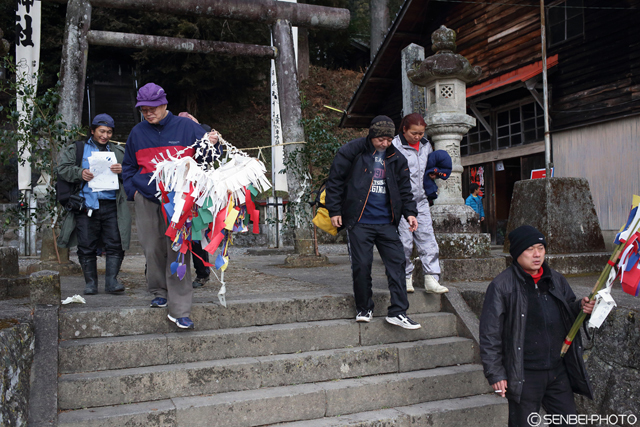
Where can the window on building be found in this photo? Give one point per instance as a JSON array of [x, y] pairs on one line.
[[512, 126], [520, 125], [477, 140], [565, 21]]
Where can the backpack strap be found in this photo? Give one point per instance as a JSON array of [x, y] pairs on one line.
[[79, 154]]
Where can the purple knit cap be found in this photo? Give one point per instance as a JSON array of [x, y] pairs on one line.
[[151, 95]]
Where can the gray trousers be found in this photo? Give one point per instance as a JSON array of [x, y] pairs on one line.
[[425, 241], [159, 255]]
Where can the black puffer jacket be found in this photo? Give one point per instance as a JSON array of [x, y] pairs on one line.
[[502, 330], [351, 177]]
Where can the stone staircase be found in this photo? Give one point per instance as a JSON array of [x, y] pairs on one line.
[[299, 361]]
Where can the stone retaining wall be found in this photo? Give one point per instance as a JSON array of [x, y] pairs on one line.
[[17, 343], [613, 362]]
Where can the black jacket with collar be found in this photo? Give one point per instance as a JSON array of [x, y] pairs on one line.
[[351, 177], [503, 324]]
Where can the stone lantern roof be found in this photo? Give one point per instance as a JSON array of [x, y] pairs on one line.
[[445, 64]]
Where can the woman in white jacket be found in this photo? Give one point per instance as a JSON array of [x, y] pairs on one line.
[[416, 148]]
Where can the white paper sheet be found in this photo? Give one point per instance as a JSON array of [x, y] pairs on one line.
[[99, 165], [604, 305], [75, 298]]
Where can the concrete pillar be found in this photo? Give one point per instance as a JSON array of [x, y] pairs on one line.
[[298, 179], [413, 98], [303, 53], [379, 24], [73, 67]]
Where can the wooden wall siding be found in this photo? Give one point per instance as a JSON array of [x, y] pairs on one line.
[[598, 76], [607, 155], [498, 38], [597, 79]]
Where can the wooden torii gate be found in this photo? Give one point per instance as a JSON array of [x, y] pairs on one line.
[[281, 15]]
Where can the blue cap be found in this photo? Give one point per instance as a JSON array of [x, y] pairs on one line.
[[103, 120]]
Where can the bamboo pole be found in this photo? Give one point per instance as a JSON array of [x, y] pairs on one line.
[[598, 286]]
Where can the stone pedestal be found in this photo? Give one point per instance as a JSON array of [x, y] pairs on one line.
[[45, 288], [305, 261], [49, 257], [12, 285], [49, 247], [562, 209]]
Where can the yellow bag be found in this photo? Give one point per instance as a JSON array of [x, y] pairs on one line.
[[322, 219]]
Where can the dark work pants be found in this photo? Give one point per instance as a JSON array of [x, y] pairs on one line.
[[202, 272], [550, 388], [102, 226], [361, 239]]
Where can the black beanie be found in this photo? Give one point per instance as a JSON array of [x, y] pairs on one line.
[[382, 126], [522, 238]]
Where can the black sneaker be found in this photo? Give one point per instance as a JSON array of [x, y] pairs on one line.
[[403, 321], [199, 282], [364, 316]]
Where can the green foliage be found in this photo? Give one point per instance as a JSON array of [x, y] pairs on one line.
[[322, 146], [35, 127], [312, 161]]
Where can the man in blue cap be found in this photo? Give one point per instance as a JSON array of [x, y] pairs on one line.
[[160, 132], [101, 215]]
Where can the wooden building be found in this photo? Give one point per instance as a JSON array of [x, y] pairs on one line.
[[593, 55]]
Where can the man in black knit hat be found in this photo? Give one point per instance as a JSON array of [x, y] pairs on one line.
[[368, 190], [528, 311]]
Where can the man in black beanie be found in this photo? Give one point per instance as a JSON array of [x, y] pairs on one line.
[[368, 190], [528, 311]]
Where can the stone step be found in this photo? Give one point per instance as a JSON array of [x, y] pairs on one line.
[[291, 403], [97, 354], [485, 410], [77, 322], [190, 379]]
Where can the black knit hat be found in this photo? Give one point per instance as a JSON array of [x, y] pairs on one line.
[[522, 238], [382, 126]]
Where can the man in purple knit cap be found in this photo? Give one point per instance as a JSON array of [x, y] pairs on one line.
[[160, 132]]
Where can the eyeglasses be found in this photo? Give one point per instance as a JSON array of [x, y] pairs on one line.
[[147, 110]]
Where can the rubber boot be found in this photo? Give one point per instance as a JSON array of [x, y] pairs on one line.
[[90, 270], [432, 286], [112, 268], [410, 285]]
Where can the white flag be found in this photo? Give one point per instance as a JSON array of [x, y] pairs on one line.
[[27, 64]]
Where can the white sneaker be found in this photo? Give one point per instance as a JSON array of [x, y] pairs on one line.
[[432, 286], [364, 317], [403, 321], [410, 284]]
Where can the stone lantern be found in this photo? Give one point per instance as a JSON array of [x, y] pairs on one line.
[[444, 77]]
